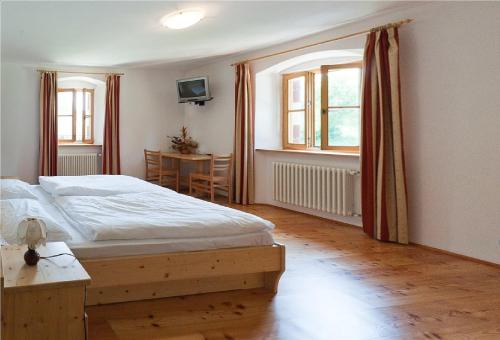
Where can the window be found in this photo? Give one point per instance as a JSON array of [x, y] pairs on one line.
[[75, 115], [321, 109]]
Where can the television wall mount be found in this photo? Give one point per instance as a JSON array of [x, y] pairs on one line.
[[200, 102]]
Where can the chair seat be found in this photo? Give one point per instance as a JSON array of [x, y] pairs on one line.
[[168, 176], [169, 172], [201, 185], [164, 171], [218, 179], [206, 177]]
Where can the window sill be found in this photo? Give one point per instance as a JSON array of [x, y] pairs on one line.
[[78, 145], [314, 152]]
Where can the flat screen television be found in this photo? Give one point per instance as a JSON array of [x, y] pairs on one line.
[[193, 90]]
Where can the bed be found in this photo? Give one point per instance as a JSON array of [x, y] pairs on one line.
[[140, 241]]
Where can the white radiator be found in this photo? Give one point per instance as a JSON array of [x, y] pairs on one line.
[[316, 187], [77, 164]]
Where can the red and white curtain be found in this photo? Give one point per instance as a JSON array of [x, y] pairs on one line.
[[244, 135], [111, 139], [47, 161], [384, 198]]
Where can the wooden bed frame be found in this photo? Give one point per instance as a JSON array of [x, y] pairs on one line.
[[131, 278], [142, 277]]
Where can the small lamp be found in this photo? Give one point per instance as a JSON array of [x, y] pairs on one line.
[[33, 232]]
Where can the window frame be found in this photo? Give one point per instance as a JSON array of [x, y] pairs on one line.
[[309, 109], [325, 107], [84, 118], [73, 118]]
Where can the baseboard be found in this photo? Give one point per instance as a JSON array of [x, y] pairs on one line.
[[342, 223], [463, 257]]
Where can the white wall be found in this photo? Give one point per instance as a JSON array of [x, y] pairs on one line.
[[212, 125], [149, 112], [449, 65], [19, 122], [450, 77]]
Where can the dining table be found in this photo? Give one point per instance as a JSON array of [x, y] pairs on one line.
[[199, 161]]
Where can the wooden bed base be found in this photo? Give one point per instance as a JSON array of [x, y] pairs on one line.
[[131, 278]]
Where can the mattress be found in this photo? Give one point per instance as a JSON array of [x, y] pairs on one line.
[[83, 248]]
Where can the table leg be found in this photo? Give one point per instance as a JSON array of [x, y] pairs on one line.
[[178, 166]]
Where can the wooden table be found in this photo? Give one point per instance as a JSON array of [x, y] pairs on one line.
[[198, 159], [45, 301]]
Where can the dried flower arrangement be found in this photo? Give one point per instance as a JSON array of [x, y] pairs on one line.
[[183, 143]]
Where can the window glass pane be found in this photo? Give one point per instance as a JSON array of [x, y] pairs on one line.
[[65, 103], [88, 103], [296, 93], [317, 109], [344, 87], [65, 127], [297, 127], [88, 128], [88, 113], [343, 127], [79, 117]]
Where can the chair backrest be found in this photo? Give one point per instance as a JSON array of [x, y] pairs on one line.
[[153, 159], [221, 165]]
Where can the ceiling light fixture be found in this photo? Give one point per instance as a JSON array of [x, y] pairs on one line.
[[183, 18]]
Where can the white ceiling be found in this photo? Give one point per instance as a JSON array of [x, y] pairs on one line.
[[129, 33]]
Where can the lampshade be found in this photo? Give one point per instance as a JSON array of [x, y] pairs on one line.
[[32, 231]]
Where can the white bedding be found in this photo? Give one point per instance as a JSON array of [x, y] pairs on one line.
[[13, 211], [95, 185], [85, 248], [14, 188], [155, 215]]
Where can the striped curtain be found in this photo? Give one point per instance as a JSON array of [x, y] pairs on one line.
[[384, 202], [244, 136], [111, 140], [47, 161]]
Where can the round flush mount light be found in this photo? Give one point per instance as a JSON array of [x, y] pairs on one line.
[[183, 18]]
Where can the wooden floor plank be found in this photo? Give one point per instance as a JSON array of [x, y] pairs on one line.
[[339, 284]]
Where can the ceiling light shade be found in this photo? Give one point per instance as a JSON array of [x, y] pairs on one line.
[[183, 18]]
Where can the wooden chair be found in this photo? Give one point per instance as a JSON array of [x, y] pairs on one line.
[[219, 178], [155, 172]]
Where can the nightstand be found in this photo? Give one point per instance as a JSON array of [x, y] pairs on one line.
[[45, 301]]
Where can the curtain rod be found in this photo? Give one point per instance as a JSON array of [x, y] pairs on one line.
[[78, 72], [374, 29]]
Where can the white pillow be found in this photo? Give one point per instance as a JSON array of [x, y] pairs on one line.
[[14, 188], [96, 185], [13, 211]]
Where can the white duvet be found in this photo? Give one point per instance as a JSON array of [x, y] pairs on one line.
[[95, 185], [152, 215]]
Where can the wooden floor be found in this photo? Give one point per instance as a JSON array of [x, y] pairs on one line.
[[339, 284]]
